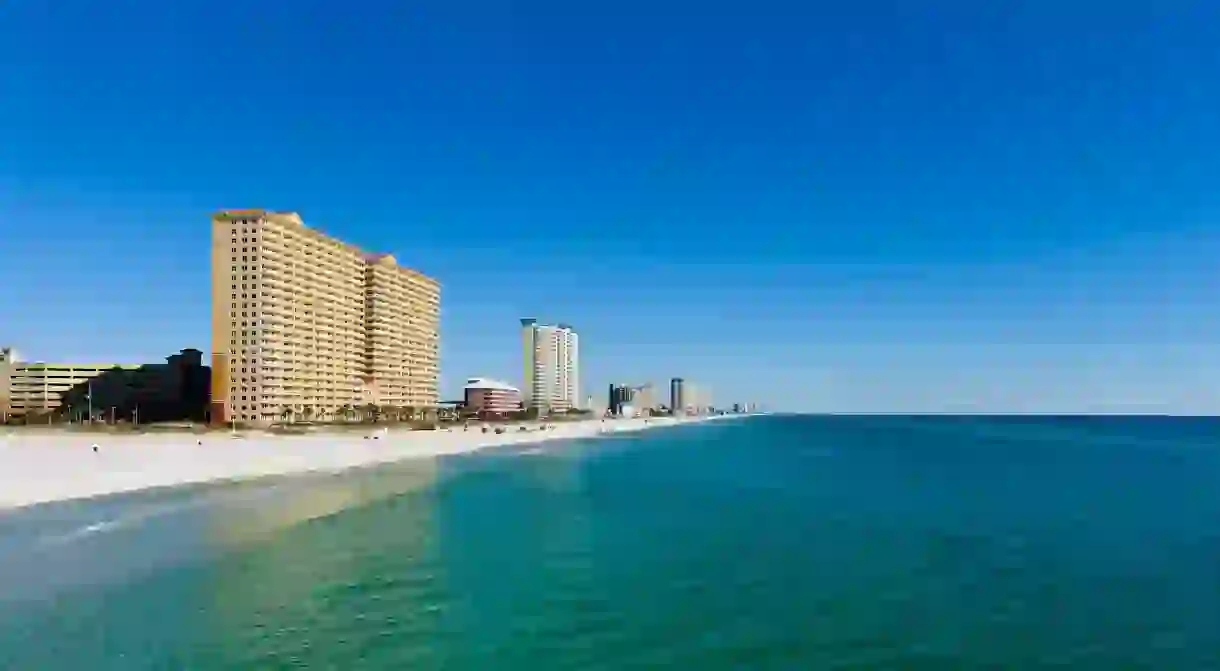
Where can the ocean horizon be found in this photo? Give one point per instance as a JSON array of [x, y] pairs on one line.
[[781, 541]]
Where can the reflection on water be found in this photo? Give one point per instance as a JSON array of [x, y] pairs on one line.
[[300, 500], [262, 609], [200, 574], [224, 562], [572, 555], [712, 549], [47, 549]]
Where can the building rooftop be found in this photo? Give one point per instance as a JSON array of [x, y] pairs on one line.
[[372, 258], [488, 383], [561, 326]]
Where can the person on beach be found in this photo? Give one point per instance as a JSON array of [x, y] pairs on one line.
[[95, 447]]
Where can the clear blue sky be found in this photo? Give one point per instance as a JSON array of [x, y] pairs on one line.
[[825, 206]]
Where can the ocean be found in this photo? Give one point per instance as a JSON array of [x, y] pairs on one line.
[[778, 542]]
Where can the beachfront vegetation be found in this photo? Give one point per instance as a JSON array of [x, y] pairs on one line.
[[300, 418]]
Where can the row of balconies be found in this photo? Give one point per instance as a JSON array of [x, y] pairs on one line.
[[326, 281], [274, 287], [339, 379], [284, 289], [411, 331], [382, 341], [403, 318], [406, 340], [319, 263], [289, 316], [292, 248], [372, 300], [272, 257], [308, 274]]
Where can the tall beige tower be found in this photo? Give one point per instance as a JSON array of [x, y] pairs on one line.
[[303, 323], [401, 317], [552, 366]]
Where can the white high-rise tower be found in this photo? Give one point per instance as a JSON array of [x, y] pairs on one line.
[[552, 366]]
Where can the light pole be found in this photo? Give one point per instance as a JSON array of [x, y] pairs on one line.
[[89, 395]]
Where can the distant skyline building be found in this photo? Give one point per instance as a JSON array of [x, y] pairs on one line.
[[618, 396], [688, 397], [552, 366], [486, 396], [677, 395], [625, 399], [303, 322], [698, 398], [644, 399]]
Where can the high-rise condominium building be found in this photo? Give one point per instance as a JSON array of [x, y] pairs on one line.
[[552, 366], [306, 325], [638, 397], [677, 395]]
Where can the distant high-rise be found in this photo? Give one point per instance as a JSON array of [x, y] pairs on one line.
[[677, 395], [618, 396], [552, 366], [305, 323]]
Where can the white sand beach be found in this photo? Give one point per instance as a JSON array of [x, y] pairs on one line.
[[40, 467]]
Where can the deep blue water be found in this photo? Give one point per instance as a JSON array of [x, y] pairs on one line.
[[763, 543]]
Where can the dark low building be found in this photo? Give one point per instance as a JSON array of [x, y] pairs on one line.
[[177, 390]]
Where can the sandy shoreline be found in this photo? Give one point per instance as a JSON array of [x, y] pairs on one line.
[[44, 467]]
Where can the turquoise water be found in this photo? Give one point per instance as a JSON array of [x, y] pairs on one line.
[[764, 543]]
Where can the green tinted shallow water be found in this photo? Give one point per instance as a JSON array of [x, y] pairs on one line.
[[768, 543]]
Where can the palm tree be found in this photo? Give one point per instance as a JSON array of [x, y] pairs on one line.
[[286, 414], [307, 413]]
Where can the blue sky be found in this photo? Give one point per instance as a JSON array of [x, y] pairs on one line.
[[869, 206]]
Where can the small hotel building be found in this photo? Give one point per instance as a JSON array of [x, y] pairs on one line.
[[491, 397]]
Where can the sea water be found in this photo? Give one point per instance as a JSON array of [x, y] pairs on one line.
[[781, 542]]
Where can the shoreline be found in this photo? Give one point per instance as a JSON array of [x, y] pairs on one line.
[[40, 468]]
